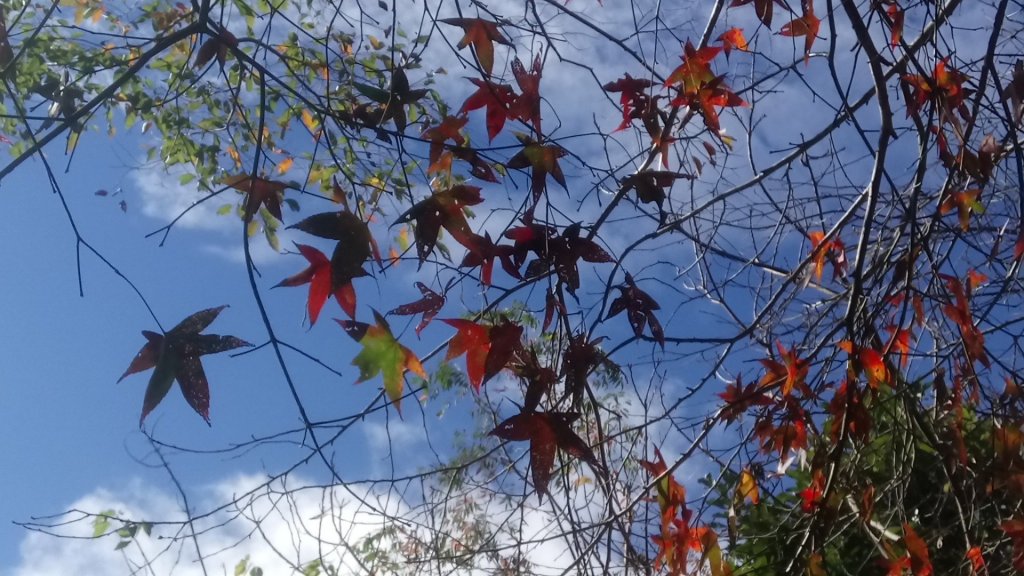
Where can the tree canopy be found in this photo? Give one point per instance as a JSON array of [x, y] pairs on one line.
[[628, 287]]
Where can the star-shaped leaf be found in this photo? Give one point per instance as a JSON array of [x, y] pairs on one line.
[[318, 276], [488, 349], [442, 208], [496, 98], [175, 356], [258, 191], [806, 26], [354, 248], [543, 160], [382, 354], [482, 34], [639, 308], [547, 432], [429, 306]]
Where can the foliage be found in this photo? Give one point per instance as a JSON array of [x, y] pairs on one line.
[[661, 312]]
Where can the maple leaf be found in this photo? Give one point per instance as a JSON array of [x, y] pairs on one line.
[[707, 98], [811, 496], [547, 432], [392, 102], [540, 379], [739, 397], [443, 208], [976, 559], [482, 34], [791, 372], [449, 129], [258, 191], [355, 244], [562, 253], [944, 89], [1014, 91], [639, 308], [900, 342], [964, 202], [488, 349], [671, 494], [806, 26], [847, 407], [634, 99], [834, 250], [175, 356], [960, 313], [543, 160], [318, 275], [483, 251], [895, 16], [382, 354], [526, 106], [650, 185], [695, 71], [920, 564], [429, 306], [869, 361], [731, 39], [762, 7], [581, 357], [496, 98]]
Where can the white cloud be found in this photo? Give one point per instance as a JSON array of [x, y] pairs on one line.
[[281, 526], [164, 198]]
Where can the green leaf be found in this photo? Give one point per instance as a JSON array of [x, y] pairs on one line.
[[383, 355], [101, 524], [122, 544], [225, 209]]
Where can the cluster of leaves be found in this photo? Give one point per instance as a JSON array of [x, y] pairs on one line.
[[844, 386]]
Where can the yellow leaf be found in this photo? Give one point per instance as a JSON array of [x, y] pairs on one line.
[[285, 165], [375, 43], [310, 122], [747, 488], [235, 156]]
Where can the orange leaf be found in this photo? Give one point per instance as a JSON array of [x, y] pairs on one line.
[[482, 34], [733, 38], [806, 26], [976, 559], [920, 564]]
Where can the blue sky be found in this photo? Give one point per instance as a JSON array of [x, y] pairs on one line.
[[73, 436]]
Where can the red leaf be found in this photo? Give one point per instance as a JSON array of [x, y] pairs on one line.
[[318, 276], [546, 431], [496, 98], [429, 306], [920, 564], [526, 107], [488, 349]]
